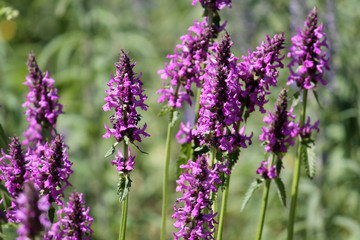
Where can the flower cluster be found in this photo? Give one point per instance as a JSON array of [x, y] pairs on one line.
[[125, 96], [42, 103], [32, 212], [213, 5], [184, 67], [124, 165], [259, 71], [74, 221], [196, 183], [306, 55], [281, 130], [307, 130], [54, 170], [14, 168], [220, 107], [265, 172]]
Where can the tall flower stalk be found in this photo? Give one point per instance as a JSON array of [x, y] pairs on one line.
[[278, 136], [184, 69], [125, 96], [310, 61]]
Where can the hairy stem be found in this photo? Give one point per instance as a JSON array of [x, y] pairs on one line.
[[264, 202], [166, 176], [124, 205], [296, 177]]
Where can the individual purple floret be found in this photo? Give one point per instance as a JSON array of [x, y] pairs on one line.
[[14, 168], [259, 71], [184, 67], [307, 130], [193, 213], [125, 96], [220, 108], [281, 130], [213, 5], [185, 131], [308, 61], [74, 221], [54, 170], [124, 165], [32, 213], [265, 172], [42, 103]]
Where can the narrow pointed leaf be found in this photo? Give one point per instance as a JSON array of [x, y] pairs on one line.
[[317, 99], [253, 187], [296, 99], [3, 138], [174, 119], [281, 190], [110, 151]]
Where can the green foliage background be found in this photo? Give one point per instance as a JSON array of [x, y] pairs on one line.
[[79, 41]]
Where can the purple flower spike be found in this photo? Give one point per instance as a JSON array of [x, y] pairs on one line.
[[125, 96], [213, 5], [74, 221], [308, 61], [184, 67], [14, 168], [124, 165], [32, 213], [196, 183], [265, 172], [220, 108], [281, 130], [259, 71], [55, 170], [307, 130], [42, 103]]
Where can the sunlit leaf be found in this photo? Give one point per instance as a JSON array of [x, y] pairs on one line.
[[281, 190], [253, 187]]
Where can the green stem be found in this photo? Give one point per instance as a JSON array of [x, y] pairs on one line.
[[166, 176], [223, 209], [124, 204], [264, 202], [296, 177], [197, 106], [211, 165], [123, 218]]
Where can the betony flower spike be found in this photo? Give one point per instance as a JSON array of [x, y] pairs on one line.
[[308, 60]]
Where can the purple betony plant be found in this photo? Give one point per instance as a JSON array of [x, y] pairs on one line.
[[307, 66], [185, 67], [278, 136], [37, 178], [125, 95]]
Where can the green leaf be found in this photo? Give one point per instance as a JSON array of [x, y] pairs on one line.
[[253, 187], [186, 152], [174, 118], [111, 151], [281, 190], [233, 158], [165, 110], [309, 158], [296, 99], [317, 99], [123, 186]]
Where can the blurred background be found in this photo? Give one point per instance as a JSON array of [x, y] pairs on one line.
[[79, 41]]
